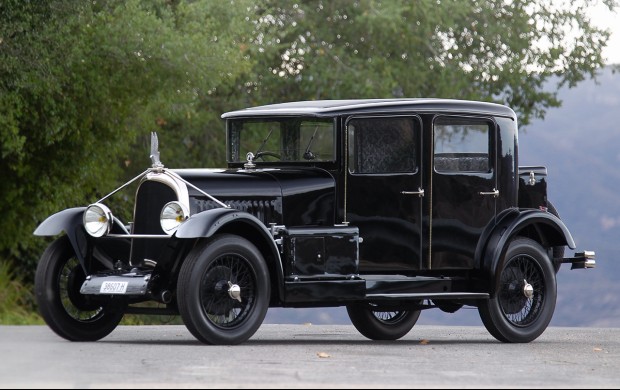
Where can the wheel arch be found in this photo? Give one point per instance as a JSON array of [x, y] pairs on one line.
[[540, 226], [230, 221]]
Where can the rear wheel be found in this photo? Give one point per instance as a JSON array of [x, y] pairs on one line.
[[525, 301], [224, 290], [72, 315], [380, 323]]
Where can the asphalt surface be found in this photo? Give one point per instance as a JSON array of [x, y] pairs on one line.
[[310, 356]]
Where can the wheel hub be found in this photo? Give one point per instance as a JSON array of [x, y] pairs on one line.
[[528, 289], [234, 291]]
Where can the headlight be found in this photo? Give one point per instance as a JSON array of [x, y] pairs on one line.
[[98, 220], [172, 216]]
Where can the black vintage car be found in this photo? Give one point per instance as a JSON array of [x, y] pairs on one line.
[[385, 206]]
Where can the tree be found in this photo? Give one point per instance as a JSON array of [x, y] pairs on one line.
[[502, 51], [82, 82]]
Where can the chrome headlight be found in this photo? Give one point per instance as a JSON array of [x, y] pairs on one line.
[[97, 220], [172, 216]]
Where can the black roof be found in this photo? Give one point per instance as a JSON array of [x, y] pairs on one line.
[[329, 108]]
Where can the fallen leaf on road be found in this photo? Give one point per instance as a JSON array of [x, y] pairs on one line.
[[424, 341]]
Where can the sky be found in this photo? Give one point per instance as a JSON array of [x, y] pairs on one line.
[[601, 17]]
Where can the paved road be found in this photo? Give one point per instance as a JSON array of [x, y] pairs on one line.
[[310, 356]]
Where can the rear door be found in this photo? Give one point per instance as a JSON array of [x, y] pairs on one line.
[[464, 188]]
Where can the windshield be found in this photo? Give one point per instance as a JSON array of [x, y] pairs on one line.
[[281, 139]]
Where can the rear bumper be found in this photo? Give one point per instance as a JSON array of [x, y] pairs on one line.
[[585, 259]]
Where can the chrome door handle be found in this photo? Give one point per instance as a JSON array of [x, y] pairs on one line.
[[494, 193], [419, 192]]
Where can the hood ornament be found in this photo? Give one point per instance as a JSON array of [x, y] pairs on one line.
[[155, 152], [250, 164]]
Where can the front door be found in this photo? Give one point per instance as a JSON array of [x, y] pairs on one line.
[[384, 194], [464, 188]]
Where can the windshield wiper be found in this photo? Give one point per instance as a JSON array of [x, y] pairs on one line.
[[263, 144], [308, 155]]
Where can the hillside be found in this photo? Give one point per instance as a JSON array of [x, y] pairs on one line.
[[580, 145]]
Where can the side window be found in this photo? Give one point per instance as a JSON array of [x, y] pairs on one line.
[[382, 145], [462, 145]]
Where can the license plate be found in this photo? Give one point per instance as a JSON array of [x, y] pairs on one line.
[[113, 288]]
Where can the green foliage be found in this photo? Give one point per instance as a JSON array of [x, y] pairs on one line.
[[16, 300], [483, 50], [81, 83]]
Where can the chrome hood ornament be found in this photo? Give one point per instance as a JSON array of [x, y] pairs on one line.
[[155, 152], [250, 163]]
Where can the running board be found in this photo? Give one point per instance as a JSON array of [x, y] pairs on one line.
[[418, 296]]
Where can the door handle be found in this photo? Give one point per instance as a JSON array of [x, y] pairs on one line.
[[419, 192], [494, 193]]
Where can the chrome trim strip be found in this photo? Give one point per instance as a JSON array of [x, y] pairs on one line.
[[137, 236], [433, 295]]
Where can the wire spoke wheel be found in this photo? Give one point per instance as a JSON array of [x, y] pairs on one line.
[[224, 290], [219, 306], [380, 322], [389, 317], [524, 302], [78, 306], [522, 291], [72, 315]]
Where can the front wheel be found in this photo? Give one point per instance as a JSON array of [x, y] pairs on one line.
[[66, 311], [525, 301], [379, 323], [224, 290]]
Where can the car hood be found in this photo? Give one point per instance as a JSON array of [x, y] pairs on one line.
[[257, 182], [292, 197]]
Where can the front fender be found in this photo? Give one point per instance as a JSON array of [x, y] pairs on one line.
[[548, 229], [62, 221], [207, 223], [70, 222]]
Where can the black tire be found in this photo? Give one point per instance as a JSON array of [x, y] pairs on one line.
[[71, 315], [377, 323], [557, 251], [511, 316], [206, 279]]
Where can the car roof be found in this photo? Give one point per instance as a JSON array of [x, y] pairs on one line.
[[329, 108]]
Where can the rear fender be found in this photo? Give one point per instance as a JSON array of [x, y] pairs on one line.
[[539, 225], [232, 221]]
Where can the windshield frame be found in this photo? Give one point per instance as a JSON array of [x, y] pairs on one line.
[[297, 140]]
